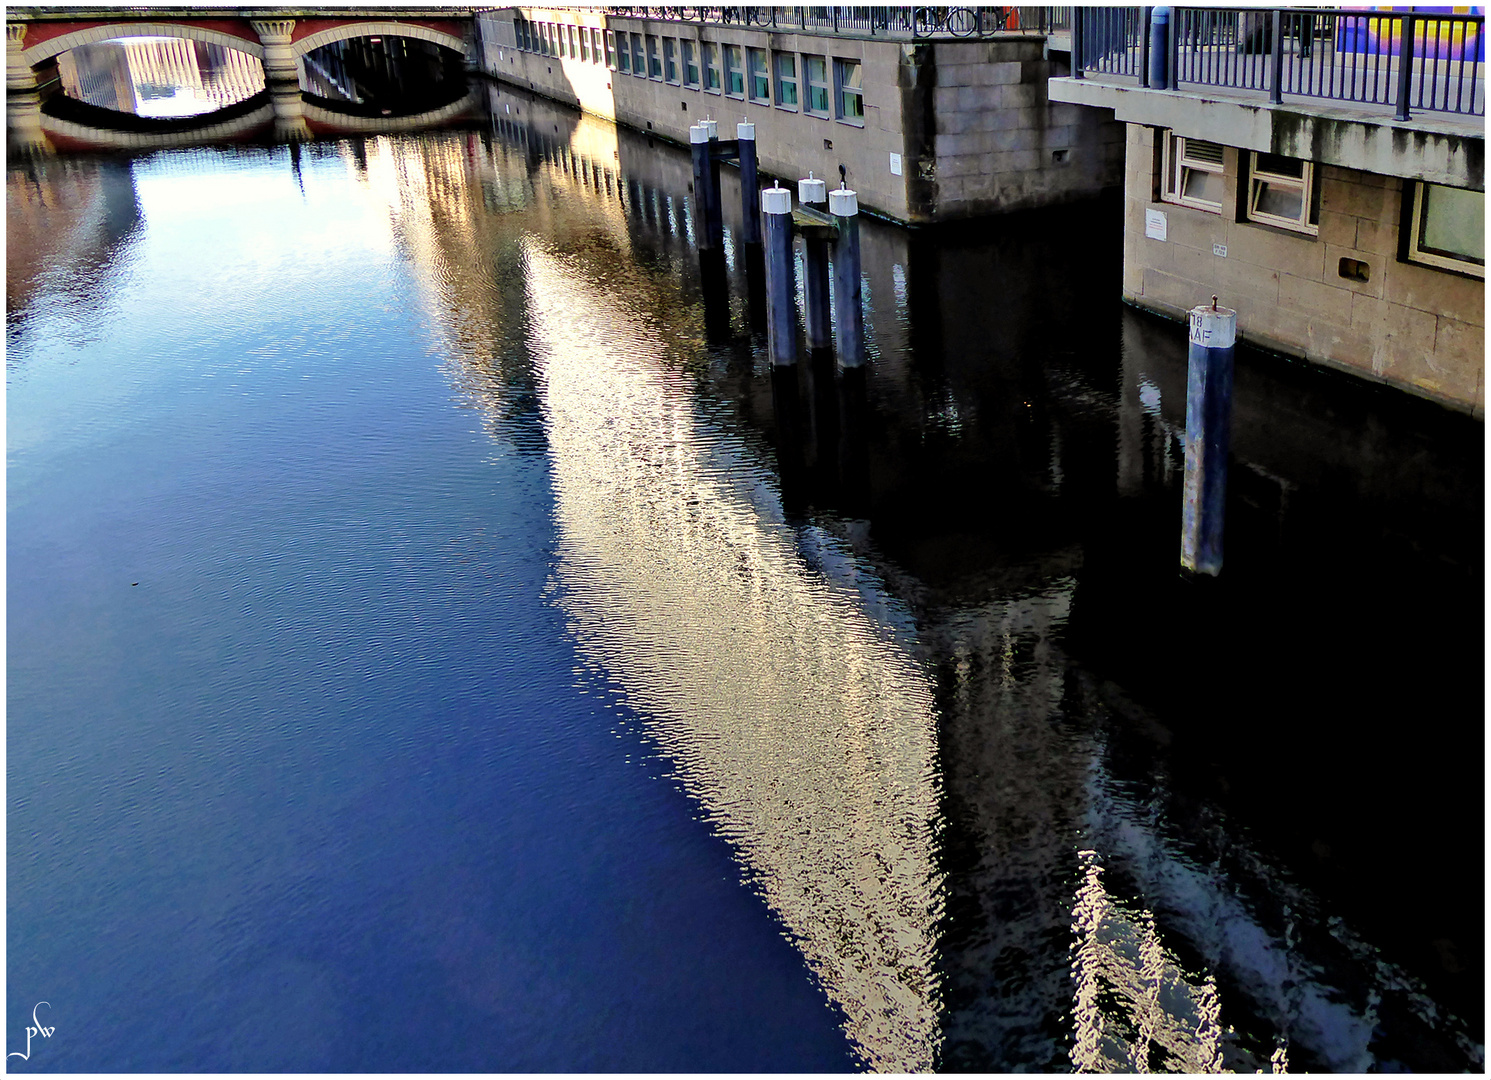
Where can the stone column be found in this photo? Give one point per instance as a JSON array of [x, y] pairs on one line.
[[282, 78], [22, 98]]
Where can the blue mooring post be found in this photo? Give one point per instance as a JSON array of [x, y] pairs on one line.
[[1213, 333], [781, 293], [704, 213], [750, 205], [819, 318], [849, 313], [1159, 49], [716, 203]]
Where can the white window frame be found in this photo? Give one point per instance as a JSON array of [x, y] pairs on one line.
[[638, 52], [826, 86], [670, 61], [1178, 163], [733, 53], [689, 61], [843, 91], [709, 56], [751, 55], [654, 58], [1417, 254], [781, 82], [1260, 178]]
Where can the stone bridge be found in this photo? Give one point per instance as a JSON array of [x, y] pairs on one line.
[[277, 37]]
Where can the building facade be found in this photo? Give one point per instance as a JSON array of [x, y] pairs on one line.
[[1340, 233], [926, 129]]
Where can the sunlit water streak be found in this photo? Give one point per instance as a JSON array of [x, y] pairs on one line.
[[817, 709], [801, 727]]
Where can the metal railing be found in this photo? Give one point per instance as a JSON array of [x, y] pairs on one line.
[[1411, 61], [895, 22]]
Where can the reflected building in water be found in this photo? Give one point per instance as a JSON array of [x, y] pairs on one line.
[[73, 220], [900, 713], [159, 77], [922, 706]]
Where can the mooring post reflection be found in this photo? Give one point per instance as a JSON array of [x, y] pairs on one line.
[[535, 626], [714, 281]]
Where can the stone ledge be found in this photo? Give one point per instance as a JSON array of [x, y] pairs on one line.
[[1427, 147]]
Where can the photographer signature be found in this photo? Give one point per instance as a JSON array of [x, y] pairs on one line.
[[44, 1032]]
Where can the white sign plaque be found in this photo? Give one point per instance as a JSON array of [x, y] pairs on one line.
[[1219, 250], [1155, 223], [895, 164]]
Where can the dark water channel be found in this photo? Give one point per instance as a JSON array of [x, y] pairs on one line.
[[437, 644]]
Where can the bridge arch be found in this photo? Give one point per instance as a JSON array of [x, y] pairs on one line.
[[378, 29], [56, 46]]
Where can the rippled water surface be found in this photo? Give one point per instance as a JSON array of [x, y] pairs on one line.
[[437, 642]]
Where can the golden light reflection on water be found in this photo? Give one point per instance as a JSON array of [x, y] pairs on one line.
[[1135, 1010], [804, 731]]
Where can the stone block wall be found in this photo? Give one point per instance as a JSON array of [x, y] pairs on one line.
[[790, 142], [1002, 145], [1412, 326], [951, 130]]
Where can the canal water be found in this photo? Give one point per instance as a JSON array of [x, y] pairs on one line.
[[437, 642]]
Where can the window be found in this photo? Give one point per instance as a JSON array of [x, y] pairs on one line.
[[734, 73], [1193, 173], [546, 33], [559, 36], [639, 59], [690, 64], [786, 79], [1280, 193], [670, 60], [585, 45], [623, 55], [1447, 229], [760, 85], [520, 33], [847, 77], [654, 62], [612, 60], [597, 56], [815, 71], [711, 65], [573, 44]]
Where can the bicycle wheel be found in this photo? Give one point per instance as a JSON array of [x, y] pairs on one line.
[[963, 22], [925, 20]]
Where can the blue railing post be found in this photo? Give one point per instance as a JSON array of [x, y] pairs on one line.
[[1405, 66], [1159, 49], [1276, 77], [1173, 53], [1076, 43]]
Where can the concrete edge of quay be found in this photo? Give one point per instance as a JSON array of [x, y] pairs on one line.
[[1324, 366]]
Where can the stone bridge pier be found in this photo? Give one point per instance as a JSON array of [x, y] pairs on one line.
[[22, 97], [282, 78]]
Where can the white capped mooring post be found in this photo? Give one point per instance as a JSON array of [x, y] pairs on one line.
[[703, 212], [849, 316], [813, 192], [1213, 335], [745, 137], [781, 316]]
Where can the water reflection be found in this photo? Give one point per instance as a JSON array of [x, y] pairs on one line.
[[70, 226], [1179, 967], [912, 640], [159, 77]]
